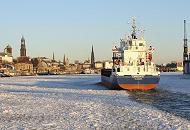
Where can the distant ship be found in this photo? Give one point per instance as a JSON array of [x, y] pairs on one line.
[[133, 68]]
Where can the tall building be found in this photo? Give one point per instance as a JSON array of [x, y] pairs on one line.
[[23, 58], [67, 61], [23, 64], [6, 56], [23, 47], [186, 59], [53, 57], [8, 50], [64, 60], [92, 59]]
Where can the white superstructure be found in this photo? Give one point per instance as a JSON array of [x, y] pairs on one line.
[[133, 57]]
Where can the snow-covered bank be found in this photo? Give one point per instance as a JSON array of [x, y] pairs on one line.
[[75, 102]]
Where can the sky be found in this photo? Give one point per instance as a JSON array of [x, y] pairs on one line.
[[71, 27]]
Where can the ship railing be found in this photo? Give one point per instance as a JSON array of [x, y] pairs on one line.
[[141, 69], [137, 48]]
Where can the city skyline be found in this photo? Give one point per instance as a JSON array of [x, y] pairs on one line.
[[71, 27]]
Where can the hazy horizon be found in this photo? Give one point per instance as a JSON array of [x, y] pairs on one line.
[[71, 27]]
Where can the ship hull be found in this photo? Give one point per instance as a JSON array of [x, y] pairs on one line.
[[129, 82]]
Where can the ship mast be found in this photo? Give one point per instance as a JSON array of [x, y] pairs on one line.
[[134, 36], [185, 34]]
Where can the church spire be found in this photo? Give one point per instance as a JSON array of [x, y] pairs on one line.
[[92, 58], [23, 47], [64, 60], [23, 40], [53, 57]]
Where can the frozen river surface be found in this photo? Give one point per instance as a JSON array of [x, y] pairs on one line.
[[80, 102]]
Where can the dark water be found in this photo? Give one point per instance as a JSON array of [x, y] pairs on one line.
[[171, 102]]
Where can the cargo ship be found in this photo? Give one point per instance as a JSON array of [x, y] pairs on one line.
[[133, 67]]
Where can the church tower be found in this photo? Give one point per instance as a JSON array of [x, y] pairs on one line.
[[92, 59], [64, 60], [8, 50], [53, 56], [23, 47]]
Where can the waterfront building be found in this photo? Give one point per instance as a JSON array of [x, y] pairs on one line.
[[180, 66], [6, 61], [8, 50], [98, 65], [24, 68], [23, 64], [72, 68], [108, 64], [54, 68], [6, 56], [86, 66], [43, 65], [79, 66]]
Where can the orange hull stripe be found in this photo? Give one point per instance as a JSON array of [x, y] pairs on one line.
[[137, 86]]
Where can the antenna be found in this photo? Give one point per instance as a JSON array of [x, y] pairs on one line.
[[141, 31]]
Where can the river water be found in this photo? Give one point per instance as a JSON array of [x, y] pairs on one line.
[[173, 102], [85, 103], [173, 95]]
